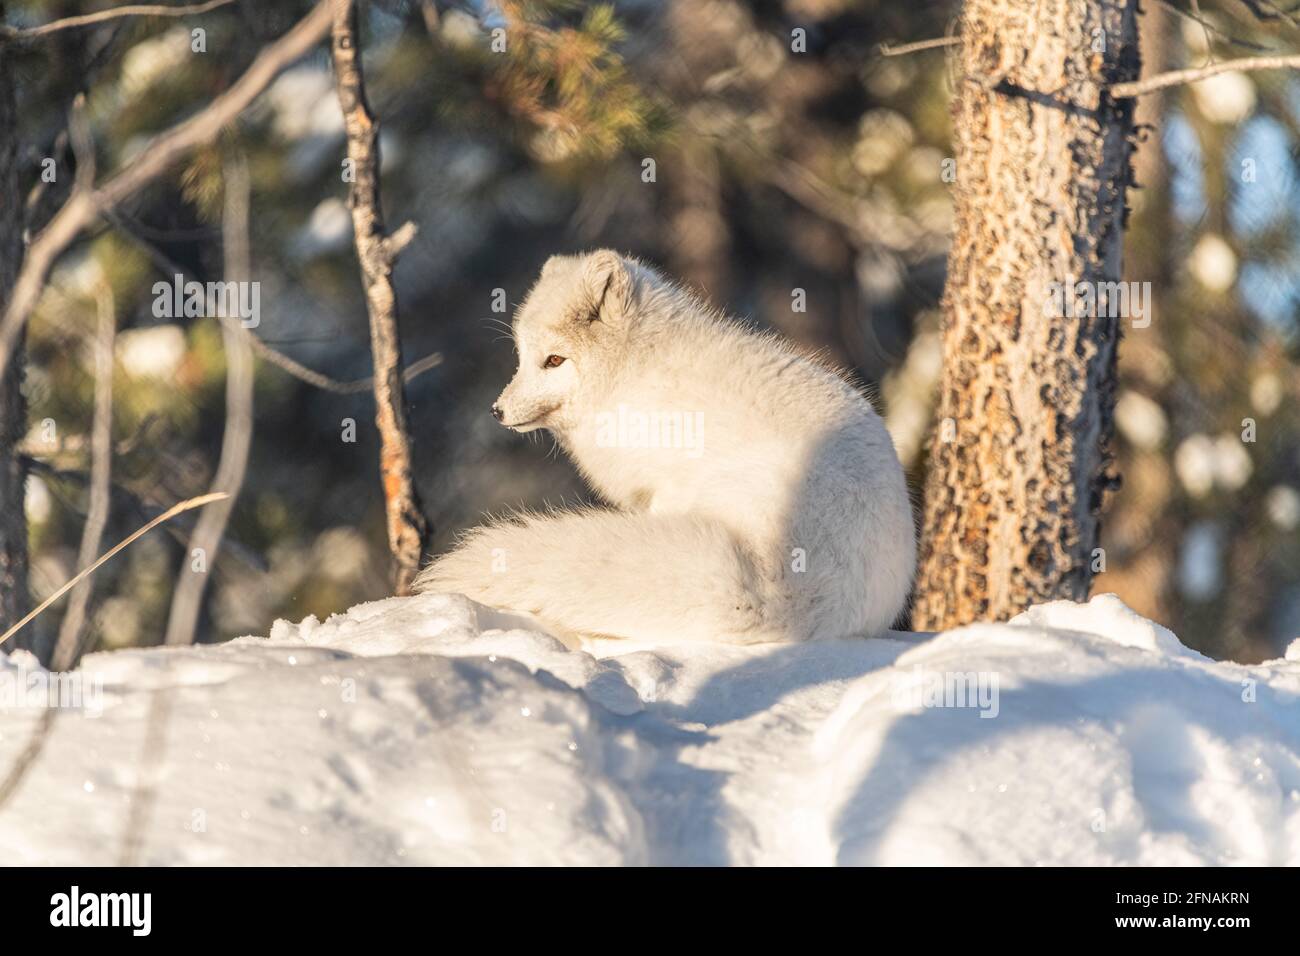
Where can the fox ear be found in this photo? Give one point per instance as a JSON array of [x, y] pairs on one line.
[[609, 283]]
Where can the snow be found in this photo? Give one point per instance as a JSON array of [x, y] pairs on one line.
[[432, 730]]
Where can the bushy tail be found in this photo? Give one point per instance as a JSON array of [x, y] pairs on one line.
[[615, 574]]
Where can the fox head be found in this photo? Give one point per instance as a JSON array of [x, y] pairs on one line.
[[568, 333]]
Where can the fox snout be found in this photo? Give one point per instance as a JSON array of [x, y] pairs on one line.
[[529, 400], [522, 416]]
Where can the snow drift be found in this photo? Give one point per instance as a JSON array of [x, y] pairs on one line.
[[432, 730]]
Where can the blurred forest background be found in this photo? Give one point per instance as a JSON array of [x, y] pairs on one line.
[[774, 169]]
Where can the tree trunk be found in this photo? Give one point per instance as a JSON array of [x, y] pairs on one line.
[[13, 408], [1019, 465]]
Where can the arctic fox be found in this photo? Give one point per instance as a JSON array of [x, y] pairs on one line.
[[756, 495]]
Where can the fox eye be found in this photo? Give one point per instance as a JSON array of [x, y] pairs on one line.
[[553, 361]]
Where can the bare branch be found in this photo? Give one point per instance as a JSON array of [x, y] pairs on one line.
[[867, 223], [354, 387], [68, 648], [412, 371], [268, 352], [83, 147], [903, 49], [129, 501], [1209, 28], [39, 189], [1180, 77], [103, 16], [154, 158], [401, 238], [238, 436], [408, 530], [1266, 12], [322, 381], [429, 11]]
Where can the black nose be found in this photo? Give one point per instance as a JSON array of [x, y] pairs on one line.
[[497, 413]]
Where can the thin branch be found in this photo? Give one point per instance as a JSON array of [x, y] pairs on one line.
[[237, 438], [68, 645], [903, 49], [131, 442], [408, 529], [83, 147], [103, 16], [1209, 28], [356, 386], [1179, 77], [38, 190], [1205, 27], [268, 352], [67, 650], [89, 70], [154, 158], [131, 502], [867, 223], [1266, 11], [429, 11], [126, 542]]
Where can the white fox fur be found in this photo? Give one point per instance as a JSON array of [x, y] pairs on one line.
[[781, 515]]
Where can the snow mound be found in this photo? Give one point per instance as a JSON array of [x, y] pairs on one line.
[[1108, 617], [433, 730]]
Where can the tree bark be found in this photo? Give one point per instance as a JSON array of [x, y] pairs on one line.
[[1020, 465], [408, 531], [13, 408]]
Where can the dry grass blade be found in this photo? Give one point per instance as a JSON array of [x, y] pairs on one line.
[[167, 515]]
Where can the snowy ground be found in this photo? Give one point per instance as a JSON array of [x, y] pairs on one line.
[[431, 730]]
